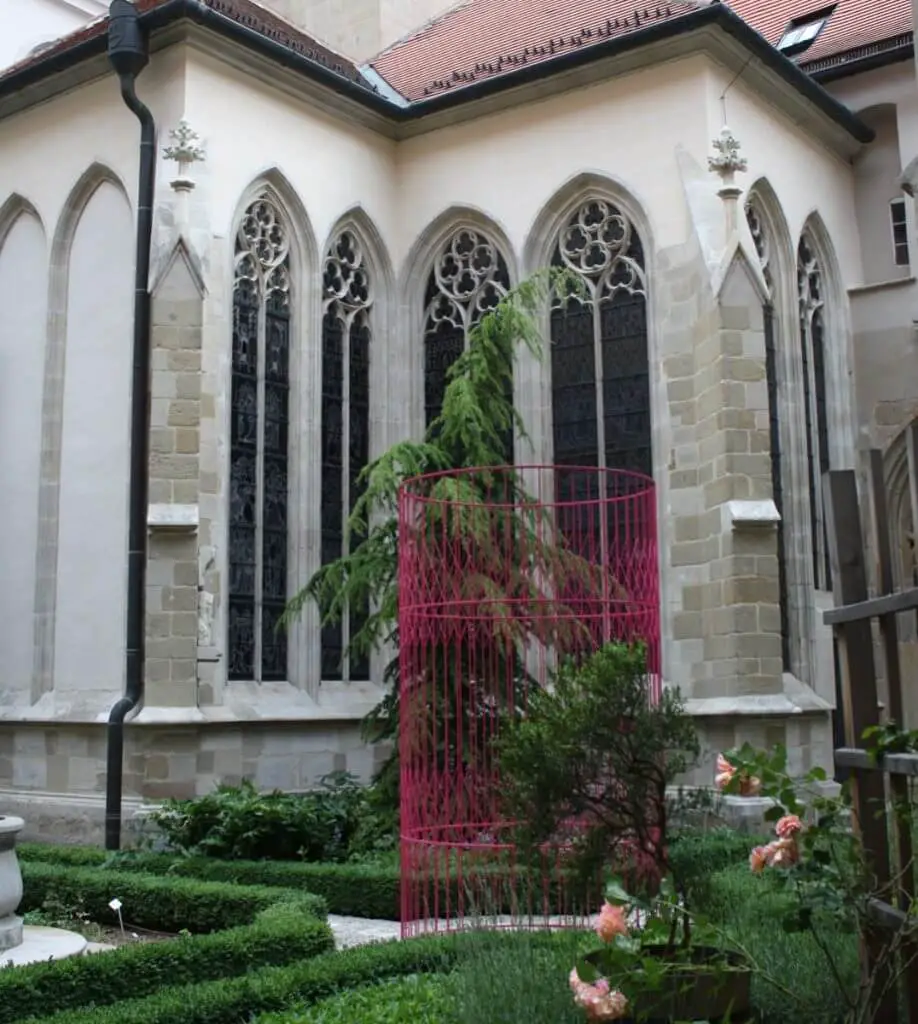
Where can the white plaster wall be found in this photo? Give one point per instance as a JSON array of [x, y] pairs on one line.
[[48, 147], [92, 554], [333, 166], [806, 176], [23, 298], [510, 164], [25, 24], [876, 174], [890, 85]]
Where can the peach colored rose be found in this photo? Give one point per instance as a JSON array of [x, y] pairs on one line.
[[782, 853], [758, 860], [788, 826], [599, 1002], [612, 922]]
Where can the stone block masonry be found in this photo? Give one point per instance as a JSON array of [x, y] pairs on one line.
[[171, 677]]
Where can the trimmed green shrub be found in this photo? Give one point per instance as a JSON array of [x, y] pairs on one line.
[[150, 901], [354, 890], [417, 999], [696, 855], [277, 988], [280, 936]]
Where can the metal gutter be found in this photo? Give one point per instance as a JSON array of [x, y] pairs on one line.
[[860, 61]]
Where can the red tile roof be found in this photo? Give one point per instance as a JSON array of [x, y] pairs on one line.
[[248, 13], [482, 38]]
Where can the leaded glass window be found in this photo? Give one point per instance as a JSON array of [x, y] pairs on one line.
[[599, 358], [257, 648], [812, 332], [348, 298], [762, 240], [469, 277]]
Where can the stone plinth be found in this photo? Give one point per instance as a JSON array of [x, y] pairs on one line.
[[42, 944], [10, 883]]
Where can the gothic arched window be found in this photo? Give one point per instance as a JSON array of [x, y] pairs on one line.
[[469, 277], [347, 298], [599, 359], [763, 242], [812, 333], [258, 446]]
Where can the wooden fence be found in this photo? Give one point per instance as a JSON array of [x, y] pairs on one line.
[[879, 788]]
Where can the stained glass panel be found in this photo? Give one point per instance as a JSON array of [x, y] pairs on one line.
[[810, 287], [243, 486], [257, 649], [777, 486], [332, 512], [359, 418], [274, 507], [346, 339]]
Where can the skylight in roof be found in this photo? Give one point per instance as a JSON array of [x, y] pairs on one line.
[[801, 32]]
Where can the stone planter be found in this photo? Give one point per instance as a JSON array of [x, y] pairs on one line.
[[10, 883]]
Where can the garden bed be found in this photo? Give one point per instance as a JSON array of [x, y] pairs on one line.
[[155, 902], [370, 890], [281, 934]]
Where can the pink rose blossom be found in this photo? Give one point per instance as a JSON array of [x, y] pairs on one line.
[[758, 860], [788, 826], [612, 922]]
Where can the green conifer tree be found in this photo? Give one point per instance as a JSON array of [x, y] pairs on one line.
[[471, 432]]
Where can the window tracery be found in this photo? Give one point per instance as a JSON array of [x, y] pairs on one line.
[[469, 277], [811, 293], [257, 648], [346, 337]]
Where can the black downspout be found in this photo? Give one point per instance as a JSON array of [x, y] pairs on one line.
[[127, 53]]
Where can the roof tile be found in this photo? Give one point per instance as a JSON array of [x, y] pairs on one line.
[[246, 12], [483, 38]]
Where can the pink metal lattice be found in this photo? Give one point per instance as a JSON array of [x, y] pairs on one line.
[[501, 573]]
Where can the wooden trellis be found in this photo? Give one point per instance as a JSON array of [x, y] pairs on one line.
[[879, 790]]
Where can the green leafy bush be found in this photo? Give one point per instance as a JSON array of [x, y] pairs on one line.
[[280, 936], [417, 999], [591, 762], [154, 902], [331, 823]]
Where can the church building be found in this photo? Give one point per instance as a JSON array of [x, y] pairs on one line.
[[342, 190]]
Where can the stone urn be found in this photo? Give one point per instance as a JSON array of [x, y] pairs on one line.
[[10, 883]]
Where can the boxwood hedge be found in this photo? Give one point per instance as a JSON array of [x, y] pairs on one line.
[[167, 904], [355, 890], [279, 936], [277, 988]]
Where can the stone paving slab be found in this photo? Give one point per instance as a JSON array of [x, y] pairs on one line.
[[359, 931]]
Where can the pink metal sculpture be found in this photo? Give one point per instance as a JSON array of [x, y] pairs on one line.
[[502, 572]]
